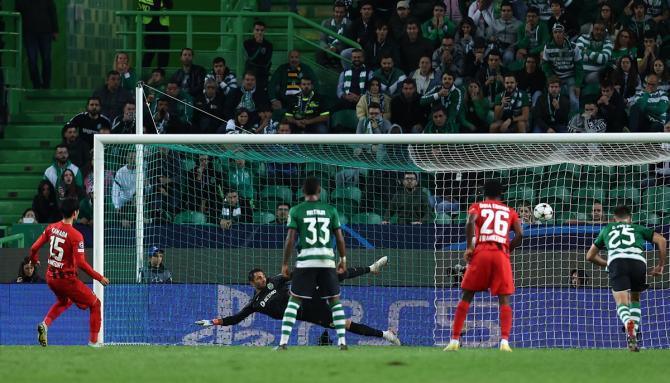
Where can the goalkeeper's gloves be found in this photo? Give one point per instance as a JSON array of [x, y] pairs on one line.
[[204, 323]]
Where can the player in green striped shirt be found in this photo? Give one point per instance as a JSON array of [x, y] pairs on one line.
[[314, 221], [627, 266]]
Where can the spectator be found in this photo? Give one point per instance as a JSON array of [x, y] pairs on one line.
[[44, 203], [265, 125], [658, 68], [475, 61], [190, 77], [425, 77], [179, 102], [86, 209], [281, 214], [543, 8], [625, 77], [67, 188], [78, 151], [285, 82], [455, 10], [465, 37], [504, 32], [112, 96], [259, 56], [649, 107], [373, 124], [89, 123], [413, 46], [475, 117], [123, 189], [491, 76], [338, 24], [597, 215], [512, 109], [408, 113], [389, 76], [155, 24], [222, 75], [125, 123], [127, 74], [235, 210], [624, 45], [481, 12], [201, 182], [167, 196], [578, 278], [560, 16], [609, 19], [531, 79], [28, 273], [448, 96], [532, 36], [526, 213], [596, 51], [308, 114], [156, 81], [208, 115], [439, 25], [28, 216], [438, 122], [640, 24], [398, 20], [613, 107], [659, 173], [591, 121], [380, 47], [410, 205], [240, 124], [552, 111], [374, 95], [361, 29], [40, 27], [156, 272], [240, 178], [248, 96], [351, 83], [164, 121], [562, 59], [60, 164], [448, 58]]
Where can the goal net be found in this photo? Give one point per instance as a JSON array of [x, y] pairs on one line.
[[216, 206]]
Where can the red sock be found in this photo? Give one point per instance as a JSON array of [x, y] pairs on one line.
[[56, 310], [94, 322], [505, 321], [459, 319]]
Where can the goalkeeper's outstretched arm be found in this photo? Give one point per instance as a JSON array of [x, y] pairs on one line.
[[230, 320]]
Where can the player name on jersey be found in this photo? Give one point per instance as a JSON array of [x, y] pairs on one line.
[[58, 232]]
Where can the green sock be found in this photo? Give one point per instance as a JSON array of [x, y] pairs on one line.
[[624, 313], [340, 321], [635, 314], [288, 321]]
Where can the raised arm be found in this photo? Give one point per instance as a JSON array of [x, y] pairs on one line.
[[662, 246]]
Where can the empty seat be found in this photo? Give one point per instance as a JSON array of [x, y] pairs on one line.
[[263, 217], [366, 218], [192, 217]]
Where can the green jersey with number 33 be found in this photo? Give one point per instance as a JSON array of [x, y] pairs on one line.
[[315, 222], [624, 240]]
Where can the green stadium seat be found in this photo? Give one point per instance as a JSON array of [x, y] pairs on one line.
[[554, 194], [625, 195], [657, 199], [347, 119], [262, 217], [348, 193], [443, 219], [343, 218], [187, 164], [366, 218], [589, 194], [273, 195], [299, 196], [520, 193], [30, 231], [190, 217], [646, 218]]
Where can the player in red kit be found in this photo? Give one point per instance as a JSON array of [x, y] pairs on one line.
[[487, 254], [66, 255]]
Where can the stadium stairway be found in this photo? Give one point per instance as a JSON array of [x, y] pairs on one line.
[[27, 148]]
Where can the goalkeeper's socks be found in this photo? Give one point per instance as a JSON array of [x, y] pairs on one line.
[[624, 313], [505, 321], [364, 330], [459, 319], [288, 321], [340, 322], [635, 314]]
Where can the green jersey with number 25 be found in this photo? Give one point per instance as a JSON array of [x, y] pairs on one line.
[[624, 240], [315, 222]]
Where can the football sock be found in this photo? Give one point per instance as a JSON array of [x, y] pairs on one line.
[[505, 321], [56, 310], [339, 321], [288, 321], [624, 313], [364, 330], [94, 321], [459, 319], [354, 272], [635, 314]]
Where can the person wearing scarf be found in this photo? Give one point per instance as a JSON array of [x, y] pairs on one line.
[[447, 95], [308, 114]]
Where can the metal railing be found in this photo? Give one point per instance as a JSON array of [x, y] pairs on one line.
[[232, 25], [14, 30], [19, 238]]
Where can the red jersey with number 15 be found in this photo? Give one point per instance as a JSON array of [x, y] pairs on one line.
[[66, 252], [493, 224]]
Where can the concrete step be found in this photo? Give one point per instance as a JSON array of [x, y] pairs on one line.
[[20, 156], [20, 182], [28, 143], [22, 169], [44, 131], [14, 193]]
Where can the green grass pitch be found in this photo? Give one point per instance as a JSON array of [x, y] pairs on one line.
[[326, 364]]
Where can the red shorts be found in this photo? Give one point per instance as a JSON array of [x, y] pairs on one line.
[[489, 269], [72, 289]]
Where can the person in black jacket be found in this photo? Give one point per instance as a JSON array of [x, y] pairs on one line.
[[156, 272], [44, 203], [190, 77], [40, 28], [248, 96], [531, 78], [259, 55], [552, 110], [612, 106], [28, 273], [211, 102], [406, 109], [112, 96], [382, 45]]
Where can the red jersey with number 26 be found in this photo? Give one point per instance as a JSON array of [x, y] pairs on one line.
[[493, 224], [66, 252]]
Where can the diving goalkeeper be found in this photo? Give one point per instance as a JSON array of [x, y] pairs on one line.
[[271, 299]]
